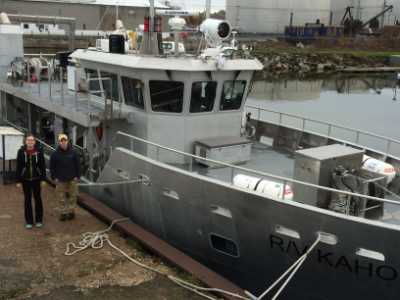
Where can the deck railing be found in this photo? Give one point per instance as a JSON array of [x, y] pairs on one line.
[[369, 141], [54, 89], [234, 170]]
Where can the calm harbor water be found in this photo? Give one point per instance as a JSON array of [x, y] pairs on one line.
[[369, 103]]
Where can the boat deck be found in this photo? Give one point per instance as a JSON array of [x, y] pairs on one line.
[[77, 107], [266, 159]]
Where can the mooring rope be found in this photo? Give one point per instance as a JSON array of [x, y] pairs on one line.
[[291, 271], [97, 240]]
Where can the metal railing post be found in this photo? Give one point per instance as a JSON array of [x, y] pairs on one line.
[[112, 100], [62, 84], [304, 124], [40, 72], [259, 114], [131, 144], [284, 190], [389, 143], [29, 74], [191, 164], [329, 130], [280, 118], [88, 102], [357, 137], [49, 74], [232, 174], [76, 92]]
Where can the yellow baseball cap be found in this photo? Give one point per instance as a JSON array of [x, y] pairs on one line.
[[62, 137]]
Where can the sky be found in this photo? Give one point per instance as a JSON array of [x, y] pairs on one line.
[[199, 4]]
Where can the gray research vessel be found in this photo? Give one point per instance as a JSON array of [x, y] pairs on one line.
[[192, 164]]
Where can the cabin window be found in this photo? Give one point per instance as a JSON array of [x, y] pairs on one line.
[[93, 82], [232, 94], [110, 85], [224, 245], [166, 96], [133, 92], [203, 96]]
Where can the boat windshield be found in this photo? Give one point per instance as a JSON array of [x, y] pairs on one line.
[[203, 96], [166, 96], [133, 92], [232, 94]]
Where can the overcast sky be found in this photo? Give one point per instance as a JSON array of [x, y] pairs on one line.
[[199, 4]]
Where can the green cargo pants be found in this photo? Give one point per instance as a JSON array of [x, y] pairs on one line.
[[67, 193]]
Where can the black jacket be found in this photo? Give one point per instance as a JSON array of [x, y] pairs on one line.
[[31, 166], [64, 165]]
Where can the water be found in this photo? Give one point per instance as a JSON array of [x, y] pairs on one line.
[[369, 103]]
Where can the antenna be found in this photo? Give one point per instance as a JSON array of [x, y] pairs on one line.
[[208, 9], [150, 39], [116, 11]]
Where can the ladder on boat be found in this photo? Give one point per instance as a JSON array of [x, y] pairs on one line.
[[102, 93]]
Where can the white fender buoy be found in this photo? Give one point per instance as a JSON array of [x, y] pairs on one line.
[[379, 167], [271, 189]]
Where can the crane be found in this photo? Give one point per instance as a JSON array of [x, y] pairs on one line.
[[389, 8]]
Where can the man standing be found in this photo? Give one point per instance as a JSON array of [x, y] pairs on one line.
[[65, 171], [31, 175]]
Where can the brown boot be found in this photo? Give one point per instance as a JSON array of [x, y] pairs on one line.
[[70, 216]]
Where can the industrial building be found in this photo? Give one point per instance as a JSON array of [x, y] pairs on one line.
[[89, 14], [272, 16]]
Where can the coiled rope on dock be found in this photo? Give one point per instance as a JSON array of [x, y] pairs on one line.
[[98, 239]]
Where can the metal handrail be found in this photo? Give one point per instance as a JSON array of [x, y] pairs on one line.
[[25, 131], [357, 132], [284, 180], [40, 54]]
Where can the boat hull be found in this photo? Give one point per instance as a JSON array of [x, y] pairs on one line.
[[187, 210]]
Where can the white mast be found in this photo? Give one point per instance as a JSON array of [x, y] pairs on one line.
[[152, 15], [116, 11], [150, 41], [208, 9]]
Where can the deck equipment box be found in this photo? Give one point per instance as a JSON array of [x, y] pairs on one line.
[[230, 150], [10, 142], [316, 165]]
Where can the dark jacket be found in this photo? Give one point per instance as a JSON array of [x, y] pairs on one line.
[[31, 166], [64, 165]]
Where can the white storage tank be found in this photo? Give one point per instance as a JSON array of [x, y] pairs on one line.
[[271, 16]]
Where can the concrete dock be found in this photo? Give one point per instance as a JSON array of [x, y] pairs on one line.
[[33, 264]]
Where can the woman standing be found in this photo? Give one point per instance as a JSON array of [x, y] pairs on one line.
[[31, 174]]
